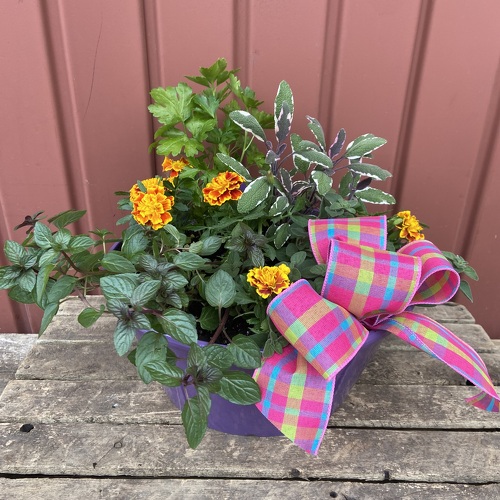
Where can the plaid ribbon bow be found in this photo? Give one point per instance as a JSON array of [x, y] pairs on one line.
[[366, 288]]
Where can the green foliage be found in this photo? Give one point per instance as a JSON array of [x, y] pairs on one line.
[[464, 269], [189, 278]]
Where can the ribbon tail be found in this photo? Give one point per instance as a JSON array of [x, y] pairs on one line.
[[297, 385], [431, 337], [296, 399]]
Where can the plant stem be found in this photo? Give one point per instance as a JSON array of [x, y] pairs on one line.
[[220, 328]]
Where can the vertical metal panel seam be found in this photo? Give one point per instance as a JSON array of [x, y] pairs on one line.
[[241, 33], [70, 141], [411, 97], [331, 50], [482, 166], [150, 58]]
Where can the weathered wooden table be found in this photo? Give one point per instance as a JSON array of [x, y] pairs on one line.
[[76, 423]]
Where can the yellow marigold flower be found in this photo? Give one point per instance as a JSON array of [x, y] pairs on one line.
[[410, 228], [224, 187], [174, 167], [268, 280], [151, 208], [153, 185]]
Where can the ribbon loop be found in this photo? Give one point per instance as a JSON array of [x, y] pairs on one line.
[[368, 281], [365, 231], [439, 280], [365, 287], [324, 333]]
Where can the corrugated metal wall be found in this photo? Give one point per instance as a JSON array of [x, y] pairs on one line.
[[75, 76]]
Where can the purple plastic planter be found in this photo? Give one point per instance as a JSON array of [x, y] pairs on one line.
[[248, 420]]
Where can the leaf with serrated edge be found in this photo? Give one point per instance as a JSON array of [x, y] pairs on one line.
[[239, 388], [145, 292], [195, 420], [220, 289], [43, 236], [48, 314], [188, 261], [14, 251], [123, 337], [151, 347], [180, 325], [90, 315], [164, 373], [218, 356], [245, 352]]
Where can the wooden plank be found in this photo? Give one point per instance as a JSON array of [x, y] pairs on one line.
[[74, 360], [224, 489], [413, 407], [472, 334], [418, 368], [91, 401], [161, 450], [128, 402], [66, 327], [450, 312], [13, 349], [88, 360]]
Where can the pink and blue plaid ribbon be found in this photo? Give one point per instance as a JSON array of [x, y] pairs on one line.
[[366, 287]]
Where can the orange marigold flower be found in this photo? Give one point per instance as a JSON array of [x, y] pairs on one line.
[[224, 187], [153, 185], [410, 228], [174, 167], [151, 208], [268, 280]]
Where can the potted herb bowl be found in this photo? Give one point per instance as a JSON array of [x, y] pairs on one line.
[[212, 249]]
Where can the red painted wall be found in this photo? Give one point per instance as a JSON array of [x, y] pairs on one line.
[[75, 76]]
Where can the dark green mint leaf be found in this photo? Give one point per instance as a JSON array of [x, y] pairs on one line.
[[116, 263], [195, 420], [68, 217], [245, 351], [218, 356], [90, 315], [220, 289], [43, 236], [124, 336], [239, 388], [180, 325], [145, 292], [164, 373]]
